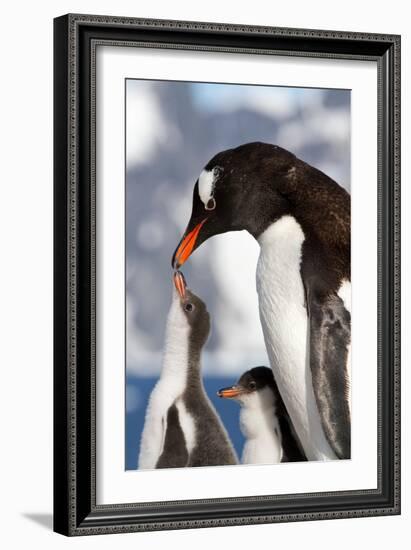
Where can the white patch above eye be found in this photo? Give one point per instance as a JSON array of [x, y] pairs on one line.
[[206, 185]]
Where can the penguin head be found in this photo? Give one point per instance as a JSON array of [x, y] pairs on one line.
[[239, 189], [256, 387], [193, 311]]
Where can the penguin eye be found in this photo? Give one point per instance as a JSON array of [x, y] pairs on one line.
[[211, 204], [189, 307], [218, 172], [252, 385]]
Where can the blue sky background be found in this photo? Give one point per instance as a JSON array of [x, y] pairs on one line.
[[172, 130]]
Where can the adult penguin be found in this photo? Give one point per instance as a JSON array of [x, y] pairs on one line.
[[301, 220]]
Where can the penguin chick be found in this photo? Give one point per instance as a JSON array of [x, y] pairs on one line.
[[182, 428], [269, 435]]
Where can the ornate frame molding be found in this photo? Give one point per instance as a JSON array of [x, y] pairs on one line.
[[76, 40]]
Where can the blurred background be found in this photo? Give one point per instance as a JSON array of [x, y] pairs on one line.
[[172, 131]]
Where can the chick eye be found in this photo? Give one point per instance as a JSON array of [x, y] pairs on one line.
[[252, 385], [189, 307]]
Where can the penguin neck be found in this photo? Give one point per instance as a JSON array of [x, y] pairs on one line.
[[260, 427], [258, 415], [194, 379], [181, 361], [321, 208], [320, 205]]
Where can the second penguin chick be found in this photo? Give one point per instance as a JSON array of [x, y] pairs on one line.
[[264, 421]]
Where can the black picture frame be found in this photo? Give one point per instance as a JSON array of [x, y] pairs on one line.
[[75, 509]]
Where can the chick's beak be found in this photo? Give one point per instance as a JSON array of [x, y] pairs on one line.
[[186, 246], [230, 393], [180, 283]]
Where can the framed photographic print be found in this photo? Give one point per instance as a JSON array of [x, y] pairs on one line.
[[227, 280]]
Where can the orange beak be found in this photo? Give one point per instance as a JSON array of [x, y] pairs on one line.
[[180, 283], [186, 247], [230, 393]]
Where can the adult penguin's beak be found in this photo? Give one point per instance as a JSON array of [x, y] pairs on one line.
[[186, 245]]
